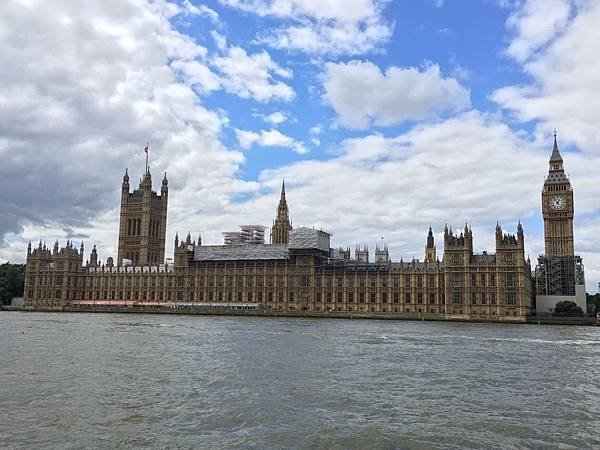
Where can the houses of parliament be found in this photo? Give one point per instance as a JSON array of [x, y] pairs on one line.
[[298, 272]]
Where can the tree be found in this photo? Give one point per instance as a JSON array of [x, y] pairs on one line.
[[593, 300], [567, 308], [12, 281]]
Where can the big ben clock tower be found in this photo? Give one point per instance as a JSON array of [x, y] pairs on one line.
[[557, 208]]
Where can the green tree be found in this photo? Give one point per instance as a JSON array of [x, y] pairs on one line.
[[593, 300], [12, 281], [567, 308]]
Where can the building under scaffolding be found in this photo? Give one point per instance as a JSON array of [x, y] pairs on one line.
[[248, 234], [558, 278]]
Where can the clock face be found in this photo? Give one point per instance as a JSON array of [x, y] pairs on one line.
[[558, 202]]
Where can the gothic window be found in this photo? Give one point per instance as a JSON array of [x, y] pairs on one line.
[[372, 297], [510, 280], [510, 299], [340, 297], [384, 297], [456, 279], [350, 297], [457, 298], [407, 297], [304, 280], [431, 298]]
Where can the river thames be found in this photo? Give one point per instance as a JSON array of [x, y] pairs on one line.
[[172, 381]]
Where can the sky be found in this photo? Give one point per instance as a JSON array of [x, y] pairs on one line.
[[384, 117]]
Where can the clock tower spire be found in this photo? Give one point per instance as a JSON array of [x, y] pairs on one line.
[[557, 208]]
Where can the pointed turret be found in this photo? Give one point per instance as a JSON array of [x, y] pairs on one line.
[[520, 235], [430, 251], [125, 185], [556, 161], [165, 185], [94, 257], [280, 233]]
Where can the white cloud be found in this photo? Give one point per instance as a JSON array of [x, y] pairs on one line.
[[362, 95], [198, 74], [220, 40], [83, 90], [468, 168], [564, 91], [251, 76], [268, 138], [201, 10], [534, 24], [276, 118], [322, 27], [316, 130]]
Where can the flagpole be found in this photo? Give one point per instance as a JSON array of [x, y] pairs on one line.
[[147, 151]]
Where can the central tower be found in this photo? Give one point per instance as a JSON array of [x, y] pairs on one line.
[[143, 222], [557, 208], [280, 233]]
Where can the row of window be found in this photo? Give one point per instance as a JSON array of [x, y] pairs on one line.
[[349, 297]]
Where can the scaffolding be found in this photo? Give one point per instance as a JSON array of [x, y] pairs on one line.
[[248, 234], [558, 275]]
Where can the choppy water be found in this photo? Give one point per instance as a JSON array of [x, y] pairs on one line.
[[123, 381]]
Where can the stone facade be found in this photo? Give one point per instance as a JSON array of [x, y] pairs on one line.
[[143, 222], [298, 271], [284, 277]]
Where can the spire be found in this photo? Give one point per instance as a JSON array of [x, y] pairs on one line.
[[281, 225], [555, 152], [430, 240], [556, 161]]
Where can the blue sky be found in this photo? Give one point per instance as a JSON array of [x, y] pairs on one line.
[[384, 117]]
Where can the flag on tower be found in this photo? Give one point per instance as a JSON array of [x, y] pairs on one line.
[[146, 152]]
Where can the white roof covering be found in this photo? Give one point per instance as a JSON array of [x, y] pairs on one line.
[[240, 252]]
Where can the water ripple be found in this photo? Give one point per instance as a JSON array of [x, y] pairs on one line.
[[128, 381]]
